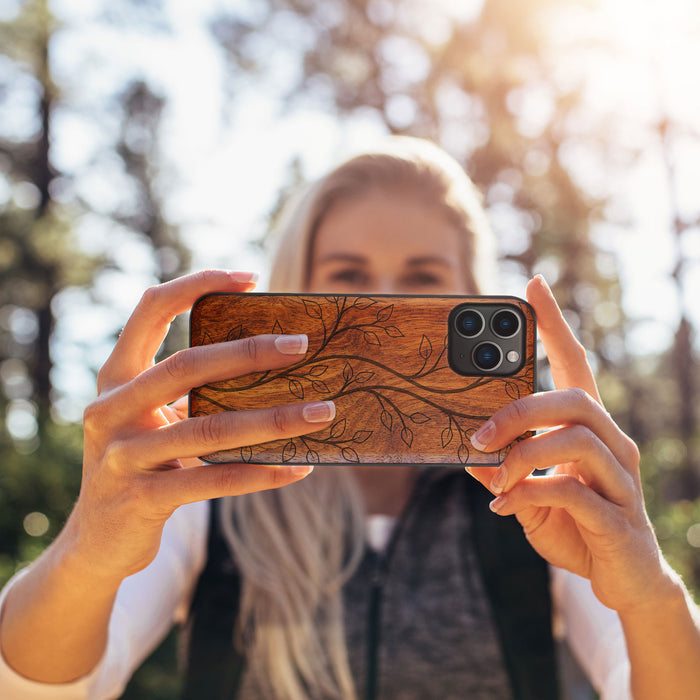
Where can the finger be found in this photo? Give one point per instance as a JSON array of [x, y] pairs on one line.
[[193, 367], [174, 488], [204, 435], [150, 320], [567, 357], [584, 505], [556, 408], [581, 450]]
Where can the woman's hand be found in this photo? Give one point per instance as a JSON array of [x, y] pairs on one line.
[[587, 515], [140, 452]]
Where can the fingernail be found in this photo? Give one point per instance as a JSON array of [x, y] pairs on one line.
[[497, 504], [292, 344], [301, 470], [319, 412], [482, 437], [499, 481], [543, 282], [243, 277]]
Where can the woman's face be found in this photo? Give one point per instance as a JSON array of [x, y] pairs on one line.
[[386, 244]]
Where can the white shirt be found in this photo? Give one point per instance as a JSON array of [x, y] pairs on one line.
[[149, 602]]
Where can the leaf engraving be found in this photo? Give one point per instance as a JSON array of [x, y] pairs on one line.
[[296, 389], [407, 436], [384, 314], [386, 418], [337, 429], [371, 337], [318, 370], [320, 387], [246, 453], [313, 308], [364, 302], [512, 390], [426, 347], [276, 328], [349, 455], [446, 436], [393, 332], [463, 453], [347, 372], [289, 451], [363, 377], [235, 333], [419, 418], [312, 457], [361, 436]]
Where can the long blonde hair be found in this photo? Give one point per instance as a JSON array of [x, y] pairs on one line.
[[296, 546]]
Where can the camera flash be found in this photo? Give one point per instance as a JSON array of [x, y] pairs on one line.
[[513, 356]]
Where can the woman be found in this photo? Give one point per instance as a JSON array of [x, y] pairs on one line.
[[403, 221]]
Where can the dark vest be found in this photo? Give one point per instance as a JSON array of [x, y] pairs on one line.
[[514, 578]]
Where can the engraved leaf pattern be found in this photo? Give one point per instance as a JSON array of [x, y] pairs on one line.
[[446, 436], [313, 308], [419, 418], [337, 429], [385, 313], [350, 455], [406, 393], [296, 389], [362, 435], [289, 451], [426, 347], [393, 332], [235, 333]]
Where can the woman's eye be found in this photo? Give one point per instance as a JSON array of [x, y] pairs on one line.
[[350, 276], [423, 279]]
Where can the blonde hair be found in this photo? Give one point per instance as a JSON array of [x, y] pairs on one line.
[[296, 546]]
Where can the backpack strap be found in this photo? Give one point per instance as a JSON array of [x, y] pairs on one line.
[[214, 667], [516, 579]]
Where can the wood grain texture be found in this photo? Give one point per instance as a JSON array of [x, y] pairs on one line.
[[381, 359]]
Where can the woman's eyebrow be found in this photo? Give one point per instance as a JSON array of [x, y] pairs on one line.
[[429, 260], [343, 257]]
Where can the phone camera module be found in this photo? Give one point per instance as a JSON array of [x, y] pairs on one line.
[[487, 356], [469, 323], [505, 324]]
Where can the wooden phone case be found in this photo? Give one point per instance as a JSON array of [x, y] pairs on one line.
[[381, 358]]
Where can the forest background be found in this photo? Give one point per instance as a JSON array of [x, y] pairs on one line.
[[141, 139]]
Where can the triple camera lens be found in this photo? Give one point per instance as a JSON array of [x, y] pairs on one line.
[[486, 338]]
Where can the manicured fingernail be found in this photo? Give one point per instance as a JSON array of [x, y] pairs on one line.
[[319, 412], [301, 470], [243, 277], [484, 435], [498, 482], [292, 344], [497, 504], [543, 282]]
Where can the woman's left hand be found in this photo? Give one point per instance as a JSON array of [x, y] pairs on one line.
[[587, 514]]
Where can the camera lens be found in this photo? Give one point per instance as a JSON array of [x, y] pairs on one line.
[[469, 323], [505, 323], [487, 356]]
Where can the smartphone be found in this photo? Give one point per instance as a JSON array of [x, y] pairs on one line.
[[412, 377]]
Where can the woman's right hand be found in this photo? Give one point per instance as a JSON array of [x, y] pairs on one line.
[[139, 452]]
